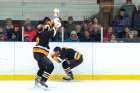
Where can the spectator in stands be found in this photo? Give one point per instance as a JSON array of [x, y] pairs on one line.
[[120, 22], [113, 38], [73, 37], [69, 27], [2, 37], [29, 33], [83, 32], [9, 28], [107, 33], [126, 32], [84, 27], [135, 33], [27, 21], [78, 30], [13, 38], [95, 30], [17, 35], [86, 37], [131, 37], [130, 8], [2, 34], [136, 20]]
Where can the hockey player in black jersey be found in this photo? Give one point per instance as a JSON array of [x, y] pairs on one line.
[[69, 59], [46, 31]]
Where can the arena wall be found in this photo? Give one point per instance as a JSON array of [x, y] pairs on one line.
[[102, 61]]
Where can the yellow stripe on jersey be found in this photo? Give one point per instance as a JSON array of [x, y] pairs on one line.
[[39, 50], [77, 56]]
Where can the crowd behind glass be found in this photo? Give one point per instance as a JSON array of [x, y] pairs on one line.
[[125, 27]]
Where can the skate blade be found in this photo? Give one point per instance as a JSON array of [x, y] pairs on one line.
[[39, 86], [67, 79]]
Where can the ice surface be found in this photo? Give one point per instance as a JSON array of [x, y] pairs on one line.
[[71, 87]]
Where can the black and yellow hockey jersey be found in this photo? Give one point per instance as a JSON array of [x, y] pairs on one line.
[[42, 39], [69, 54]]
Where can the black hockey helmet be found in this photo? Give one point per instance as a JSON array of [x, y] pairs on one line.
[[57, 49], [46, 19]]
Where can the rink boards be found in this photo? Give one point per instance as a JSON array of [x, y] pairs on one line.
[[102, 61]]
